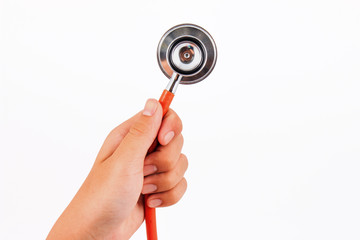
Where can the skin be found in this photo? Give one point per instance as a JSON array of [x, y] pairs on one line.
[[110, 203]]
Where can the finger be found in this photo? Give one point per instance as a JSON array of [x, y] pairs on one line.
[[165, 157], [133, 148], [168, 198], [171, 126], [114, 138], [165, 181]]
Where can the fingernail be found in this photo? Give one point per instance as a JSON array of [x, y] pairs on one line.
[[154, 203], [149, 169], [168, 137], [150, 107], [149, 188]]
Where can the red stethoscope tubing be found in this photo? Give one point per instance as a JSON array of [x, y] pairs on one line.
[[150, 213]]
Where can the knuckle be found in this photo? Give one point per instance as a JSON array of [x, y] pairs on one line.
[[179, 190], [174, 196], [139, 129], [186, 161], [175, 119], [185, 184], [180, 124], [169, 163], [169, 181], [178, 173], [183, 187], [181, 139]]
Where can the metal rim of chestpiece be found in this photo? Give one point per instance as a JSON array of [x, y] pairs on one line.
[[189, 40]]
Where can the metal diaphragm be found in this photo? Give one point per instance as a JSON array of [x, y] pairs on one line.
[[188, 50]]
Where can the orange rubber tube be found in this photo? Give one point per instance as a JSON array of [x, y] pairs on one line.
[[150, 213]]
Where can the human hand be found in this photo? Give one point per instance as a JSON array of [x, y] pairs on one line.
[[109, 204]]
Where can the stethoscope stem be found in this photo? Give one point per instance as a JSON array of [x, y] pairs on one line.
[[174, 82]]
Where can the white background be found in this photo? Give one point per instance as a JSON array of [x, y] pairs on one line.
[[272, 135]]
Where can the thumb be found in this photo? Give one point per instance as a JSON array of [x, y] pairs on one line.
[[134, 147]]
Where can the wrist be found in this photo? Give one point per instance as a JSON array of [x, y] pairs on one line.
[[69, 230], [72, 224]]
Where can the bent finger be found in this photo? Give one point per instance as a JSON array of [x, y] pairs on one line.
[[165, 181], [168, 198], [171, 127], [165, 157]]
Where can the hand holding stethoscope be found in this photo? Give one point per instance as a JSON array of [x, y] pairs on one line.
[[109, 204]]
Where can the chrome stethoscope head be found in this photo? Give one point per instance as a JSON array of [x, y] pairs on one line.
[[186, 54]]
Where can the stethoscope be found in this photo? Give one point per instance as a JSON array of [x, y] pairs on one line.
[[186, 54]]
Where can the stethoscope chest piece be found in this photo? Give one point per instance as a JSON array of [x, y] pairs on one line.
[[189, 51]]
